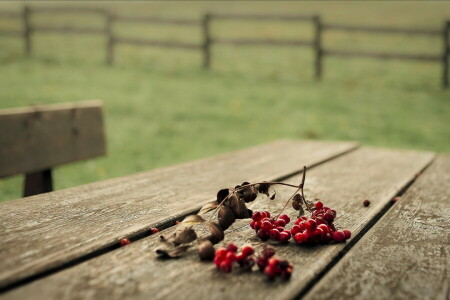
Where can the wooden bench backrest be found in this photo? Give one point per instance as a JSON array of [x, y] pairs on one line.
[[38, 138]]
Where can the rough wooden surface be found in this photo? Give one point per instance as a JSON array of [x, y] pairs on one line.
[[43, 232], [406, 255], [133, 272], [44, 136]]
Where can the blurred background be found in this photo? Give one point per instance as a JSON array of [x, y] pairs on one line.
[[161, 107]]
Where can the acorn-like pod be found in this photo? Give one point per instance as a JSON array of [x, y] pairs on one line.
[[222, 194], [226, 217], [206, 250], [249, 193], [238, 207]]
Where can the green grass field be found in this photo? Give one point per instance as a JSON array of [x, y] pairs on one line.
[[161, 108]]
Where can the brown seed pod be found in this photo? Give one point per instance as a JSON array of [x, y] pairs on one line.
[[226, 217], [263, 188], [296, 205], [297, 202], [185, 235], [222, 194], [206, 250], [216, 233], [249, 194], [238, 207]]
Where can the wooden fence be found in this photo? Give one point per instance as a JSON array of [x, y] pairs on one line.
[[208, 41]]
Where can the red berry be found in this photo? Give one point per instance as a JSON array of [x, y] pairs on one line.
[[268, 252], [271, 273], [217, 262], [232, 247], [256, 216], [266, 225], [247, 250], [263, 235], [261, 262], [285, 218], [221, 253], [295, 229], [323, 227], [274, 234], [252, 224], [267, 214], [338, 236], [280, 222], [154, 230], [318, 205], [226, 266], [231, 257], [310, 225], [299, 238], [273, 262], [284, 237], [124, 242], [366, 203], [347, 233]]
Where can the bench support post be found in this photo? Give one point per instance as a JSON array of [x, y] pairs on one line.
[[38, 183]]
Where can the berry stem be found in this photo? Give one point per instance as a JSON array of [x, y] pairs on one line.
[[299, 188]]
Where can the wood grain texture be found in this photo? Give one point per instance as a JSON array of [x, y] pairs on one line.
[[406, 255], [43, 232], [133, 272], [41, 137]]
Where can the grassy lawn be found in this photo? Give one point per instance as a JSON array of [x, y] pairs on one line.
[[161, 108]]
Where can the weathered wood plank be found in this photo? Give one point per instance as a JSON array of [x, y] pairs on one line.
[[44, 232], [133, 272], [406, 255], [41, 137]]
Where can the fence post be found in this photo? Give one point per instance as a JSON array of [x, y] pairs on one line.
[[109, 38], [26, 29], [206, 41], [445, 55], [317, 44]]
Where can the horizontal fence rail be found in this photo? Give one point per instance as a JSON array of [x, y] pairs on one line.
[[69, 10], [204, 24], [376, 29], [9, 14], [383, 55], [156, 20], [258, 17], [68, 29], [258, 42], [164, 44]]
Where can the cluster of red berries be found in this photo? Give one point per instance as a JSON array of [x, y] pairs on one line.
[[225, 257], [267, 228], [273, 267], [318, 228]]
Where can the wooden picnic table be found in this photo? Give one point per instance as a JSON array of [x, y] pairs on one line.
[[65, 244]]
